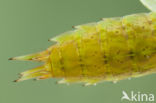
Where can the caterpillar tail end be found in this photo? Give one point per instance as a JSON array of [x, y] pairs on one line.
[[38, 73]]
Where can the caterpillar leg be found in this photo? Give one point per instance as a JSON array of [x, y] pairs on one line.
[[68, 80], [88, 82]]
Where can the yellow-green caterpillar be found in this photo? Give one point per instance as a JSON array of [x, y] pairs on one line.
[[109, 50]]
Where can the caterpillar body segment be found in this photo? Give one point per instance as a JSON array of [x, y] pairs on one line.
[[109, 50], [75, 34], [63, 37]]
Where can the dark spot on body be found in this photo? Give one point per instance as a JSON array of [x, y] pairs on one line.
[[80, 60], [91, 37], [131, 54], [104, 56], [143, 27], [82, 65], [105, 61], [117, 32], [62, 67], [144, 49]]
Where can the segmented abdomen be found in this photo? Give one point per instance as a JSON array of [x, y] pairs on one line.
[[114, 47], [111, 49]]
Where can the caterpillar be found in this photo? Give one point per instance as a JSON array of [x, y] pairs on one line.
[[112, 49]]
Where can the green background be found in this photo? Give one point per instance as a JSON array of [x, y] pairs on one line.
[[25, 27]]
